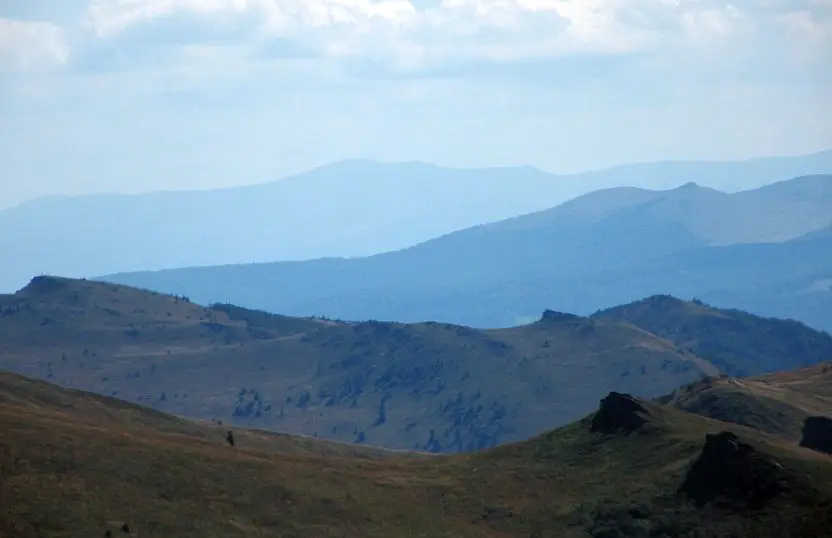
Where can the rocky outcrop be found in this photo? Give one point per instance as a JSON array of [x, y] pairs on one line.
[[732, 472], [619, 413], [817, 434], [551, 315]]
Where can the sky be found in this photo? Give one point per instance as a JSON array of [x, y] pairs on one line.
[[142, 95]]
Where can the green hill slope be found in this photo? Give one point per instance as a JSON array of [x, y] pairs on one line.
[[776, 403], [425, 386], [738, 343], [75, 464]]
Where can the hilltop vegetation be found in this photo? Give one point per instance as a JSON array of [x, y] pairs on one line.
[[427, 386], [76, 464], [737, 343], [760, 250]]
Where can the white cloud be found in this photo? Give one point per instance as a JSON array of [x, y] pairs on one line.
[[111, 17], [214, 92], [396, 33], [31, 46], [412, 35]]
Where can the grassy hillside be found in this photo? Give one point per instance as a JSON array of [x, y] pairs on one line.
[[425, 386], [776, 403], [75, 464], [738, 343], [596, 251]]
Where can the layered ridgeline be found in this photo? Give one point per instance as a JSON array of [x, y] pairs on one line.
[[426, 386], [78, 464], [767, 250], [349, 208]]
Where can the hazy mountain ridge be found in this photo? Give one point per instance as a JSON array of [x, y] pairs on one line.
[[299, 217], [400, 204], [429, 386], [590, 253]]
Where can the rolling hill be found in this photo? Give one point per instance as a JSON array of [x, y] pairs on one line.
[[428, 386], [350, 208], [762, 250], [736, 342], [778, 404], [77, 464]]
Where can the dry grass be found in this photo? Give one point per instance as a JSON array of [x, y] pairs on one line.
[[775, 403], [74, 465]]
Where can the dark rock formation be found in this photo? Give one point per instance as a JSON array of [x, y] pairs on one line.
[[731, 472], [551, 315], [817, 434], [619, 413]]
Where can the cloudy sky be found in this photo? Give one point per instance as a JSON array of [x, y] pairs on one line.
[[137, 95]]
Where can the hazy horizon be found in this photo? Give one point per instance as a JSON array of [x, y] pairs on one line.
[[568, 175], [101, 96]]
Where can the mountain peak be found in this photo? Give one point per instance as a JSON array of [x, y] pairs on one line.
[[698, 191], [45, 284], [662, 302]]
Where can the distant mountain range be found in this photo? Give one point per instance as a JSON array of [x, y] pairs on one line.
[[428, 386], [766, 250], [347, 209]]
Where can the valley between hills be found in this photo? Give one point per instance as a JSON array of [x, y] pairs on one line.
[[425, 386], [659, 418]]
